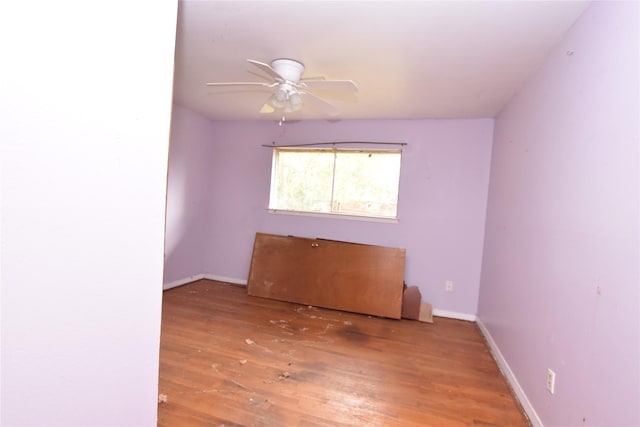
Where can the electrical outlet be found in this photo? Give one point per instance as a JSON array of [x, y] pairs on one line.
[[551, 381], [448, 286]]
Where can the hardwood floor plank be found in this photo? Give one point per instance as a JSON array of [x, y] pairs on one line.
[[229, 359]]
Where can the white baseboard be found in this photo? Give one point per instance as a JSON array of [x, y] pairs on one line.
[[511, 378], [454, 315], [181, 282], [225, 279], [190, 279]]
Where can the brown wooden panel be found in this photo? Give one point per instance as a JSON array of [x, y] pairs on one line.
[[325, 273]]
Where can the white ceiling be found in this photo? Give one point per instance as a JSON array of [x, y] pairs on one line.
[[410, 60]]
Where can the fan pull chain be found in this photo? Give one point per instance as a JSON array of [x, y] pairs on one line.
[[281, 122]]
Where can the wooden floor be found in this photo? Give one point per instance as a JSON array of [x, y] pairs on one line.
[[228, 359]]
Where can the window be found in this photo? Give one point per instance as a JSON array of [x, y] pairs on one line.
[[336, 181]]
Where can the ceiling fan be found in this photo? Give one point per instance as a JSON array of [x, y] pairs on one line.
[[290, 90]]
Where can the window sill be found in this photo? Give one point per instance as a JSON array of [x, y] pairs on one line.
[[335, 216]]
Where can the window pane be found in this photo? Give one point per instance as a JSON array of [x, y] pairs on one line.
[[304, 180], [348, 182], [366, 183]]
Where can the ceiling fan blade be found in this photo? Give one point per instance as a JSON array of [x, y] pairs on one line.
[[243, 84], [312, 78], [267, 69], [320, 103], [341, 85]]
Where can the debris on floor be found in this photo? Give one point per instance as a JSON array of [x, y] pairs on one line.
[[162, 398], [284, 376], [249, 341], [413, 307], [243, 361]]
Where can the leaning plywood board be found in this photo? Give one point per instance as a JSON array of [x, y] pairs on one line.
[[325, 273]]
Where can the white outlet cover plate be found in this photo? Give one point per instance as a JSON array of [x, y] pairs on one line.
[[551, 381]]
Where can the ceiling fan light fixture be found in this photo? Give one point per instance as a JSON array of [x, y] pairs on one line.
[[278, 99], [288, 86], [295, 101]]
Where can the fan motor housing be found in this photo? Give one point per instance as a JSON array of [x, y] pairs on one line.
[[290, 69]]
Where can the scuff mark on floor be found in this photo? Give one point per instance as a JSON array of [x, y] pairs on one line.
[[239, 385]]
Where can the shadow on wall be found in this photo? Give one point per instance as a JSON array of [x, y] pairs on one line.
[[186, 206]]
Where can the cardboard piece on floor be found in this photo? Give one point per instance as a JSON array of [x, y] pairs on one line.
[[411, 298], [426, 313]]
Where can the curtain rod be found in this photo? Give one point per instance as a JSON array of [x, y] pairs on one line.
[[273, 145]]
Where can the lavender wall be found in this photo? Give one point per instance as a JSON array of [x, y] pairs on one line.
[[443, 190], [84, 140], [560, 282], [187, 200]]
